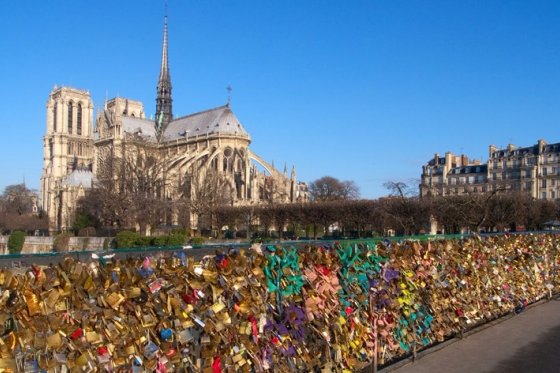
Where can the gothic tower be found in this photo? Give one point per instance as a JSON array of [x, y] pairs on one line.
[[164, 102], [68, 142]]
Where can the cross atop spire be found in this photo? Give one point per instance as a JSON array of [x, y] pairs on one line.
[[229, 89], [164, 111]]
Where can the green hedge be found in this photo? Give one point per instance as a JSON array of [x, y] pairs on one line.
[[197, 240], [16, 241], [176, 239], [127, 239]]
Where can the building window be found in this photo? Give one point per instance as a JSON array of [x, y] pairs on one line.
[[553, 195], [70, 117], [544, 171], [54, 116], [543, 183], [543, 195], [79, 120]]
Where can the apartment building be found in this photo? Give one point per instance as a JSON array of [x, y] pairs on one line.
[[533, 170]]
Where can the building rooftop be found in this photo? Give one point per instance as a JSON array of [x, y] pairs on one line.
[[138, 126], [218, 120], [471, 169]]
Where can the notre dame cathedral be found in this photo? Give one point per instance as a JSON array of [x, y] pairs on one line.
[[208, 141]]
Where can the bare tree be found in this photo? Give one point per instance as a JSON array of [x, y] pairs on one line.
[[404, 207], [203, 191], [17, 211], [17, 199], [329, 188], [130, 186]]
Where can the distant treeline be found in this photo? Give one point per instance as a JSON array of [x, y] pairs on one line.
[[404, 215]]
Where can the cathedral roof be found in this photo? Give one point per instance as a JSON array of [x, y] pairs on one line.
[[79, 177], [143, 127], [218, 120]]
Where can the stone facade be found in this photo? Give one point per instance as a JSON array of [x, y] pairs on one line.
[[213, 140], [534, 170]]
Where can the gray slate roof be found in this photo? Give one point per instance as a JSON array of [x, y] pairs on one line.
[[470, 169], [143, 127], [218, 120], [79, 177]]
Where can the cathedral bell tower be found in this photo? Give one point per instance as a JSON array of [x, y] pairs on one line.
[[164, 102], [67, 144]]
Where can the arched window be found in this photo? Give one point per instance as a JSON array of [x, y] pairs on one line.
[[79, 120], [69, 117], [54, 116]]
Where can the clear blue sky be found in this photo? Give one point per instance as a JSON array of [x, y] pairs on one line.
[[360, 90]]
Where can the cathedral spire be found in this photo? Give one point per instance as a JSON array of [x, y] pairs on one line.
[[164, 112]]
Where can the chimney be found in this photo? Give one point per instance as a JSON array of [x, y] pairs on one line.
[[464, 160], [510, 147], [491, 150], [541, 145]]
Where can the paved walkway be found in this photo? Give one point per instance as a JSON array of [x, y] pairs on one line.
[[528, 342]]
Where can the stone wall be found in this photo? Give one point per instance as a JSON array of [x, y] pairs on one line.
[[36, 245]]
